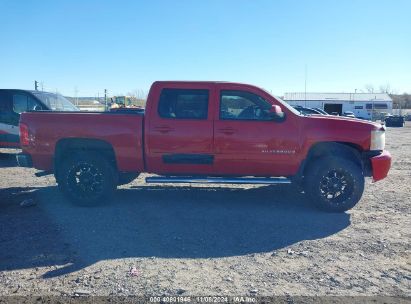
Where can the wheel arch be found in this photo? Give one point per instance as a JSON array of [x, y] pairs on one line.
[[345, 150], [65, 147]]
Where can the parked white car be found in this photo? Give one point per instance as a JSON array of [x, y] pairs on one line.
[[349, 114]]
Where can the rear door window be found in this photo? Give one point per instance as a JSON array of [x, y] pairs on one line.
[[183, 104]]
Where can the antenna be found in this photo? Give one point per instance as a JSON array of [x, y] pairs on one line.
[[305, 86]]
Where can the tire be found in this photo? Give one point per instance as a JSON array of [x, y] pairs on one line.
[[87, 179], [334, 184]]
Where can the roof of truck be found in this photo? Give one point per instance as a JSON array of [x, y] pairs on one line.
[[198, 81]]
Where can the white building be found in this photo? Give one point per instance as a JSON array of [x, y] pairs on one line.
[[363, 105]]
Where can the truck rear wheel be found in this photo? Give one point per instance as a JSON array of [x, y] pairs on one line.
[[334, 184], [87, 178]]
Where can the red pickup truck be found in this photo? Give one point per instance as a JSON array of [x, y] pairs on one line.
[[206, 132]]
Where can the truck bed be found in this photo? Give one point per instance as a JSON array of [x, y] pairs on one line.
[[123, 130]]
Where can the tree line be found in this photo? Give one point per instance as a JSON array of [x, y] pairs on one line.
[[402, 101]]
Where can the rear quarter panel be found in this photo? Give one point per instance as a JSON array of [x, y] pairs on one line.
[[122, 131]]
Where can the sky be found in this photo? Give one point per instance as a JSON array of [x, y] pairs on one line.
[[80, 47]]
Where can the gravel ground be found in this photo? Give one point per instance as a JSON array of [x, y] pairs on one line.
[[193, 240]]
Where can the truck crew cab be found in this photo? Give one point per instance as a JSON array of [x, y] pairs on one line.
[[206, 132], [15, 102]]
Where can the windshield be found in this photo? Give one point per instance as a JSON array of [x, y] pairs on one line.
[[321, 111], [288, 106], [285, 104], [306, 111], [55, 102]]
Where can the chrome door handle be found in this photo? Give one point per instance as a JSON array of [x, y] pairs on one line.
[[163, 129], [227, 131]]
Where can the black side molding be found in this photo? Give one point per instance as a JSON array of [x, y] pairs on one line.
[[197, 159]]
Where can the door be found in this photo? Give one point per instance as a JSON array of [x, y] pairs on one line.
[[331, 108], [246, 139], [358, 111], [180, 135]]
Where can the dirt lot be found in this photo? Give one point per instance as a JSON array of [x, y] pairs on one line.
[[191, 240]]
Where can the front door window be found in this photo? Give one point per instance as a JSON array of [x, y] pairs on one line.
[[241, 105]]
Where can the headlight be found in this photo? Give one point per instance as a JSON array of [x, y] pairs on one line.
[[377, 140]]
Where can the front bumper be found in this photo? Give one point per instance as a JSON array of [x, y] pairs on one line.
[[24, 160], [380, 165]]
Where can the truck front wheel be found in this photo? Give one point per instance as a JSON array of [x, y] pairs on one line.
[[87, 178], [334, 184]]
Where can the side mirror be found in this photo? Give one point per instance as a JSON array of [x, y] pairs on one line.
[[276, 113]]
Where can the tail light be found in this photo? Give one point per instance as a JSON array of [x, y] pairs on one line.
[[24, 135]]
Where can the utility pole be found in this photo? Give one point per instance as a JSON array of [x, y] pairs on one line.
[[105, 99], [36, 85], [76, 95], [353, 99]]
